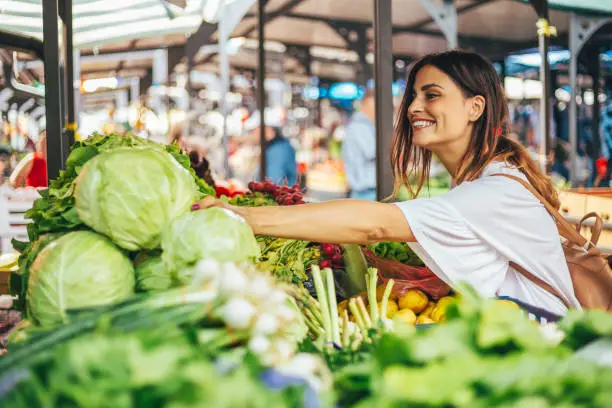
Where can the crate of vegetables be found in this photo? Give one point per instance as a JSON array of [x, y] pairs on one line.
[[395, 260]]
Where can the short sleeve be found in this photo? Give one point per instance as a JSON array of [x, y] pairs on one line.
[[450, 248]]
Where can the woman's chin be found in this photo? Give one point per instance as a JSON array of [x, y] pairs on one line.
[[424, 140]]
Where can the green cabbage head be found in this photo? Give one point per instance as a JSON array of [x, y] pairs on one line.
[[78, 270], [214, 233], [152, 274], [132, 194]]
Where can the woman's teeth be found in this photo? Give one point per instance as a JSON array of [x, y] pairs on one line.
[[420, 124]]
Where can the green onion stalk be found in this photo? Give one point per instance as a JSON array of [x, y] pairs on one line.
[[385, 298], [323, 301], [371, 281], [333, 306]]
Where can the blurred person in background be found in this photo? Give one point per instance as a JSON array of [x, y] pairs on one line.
[[281, 165], [359, 151], [32, 169], [5, 163]]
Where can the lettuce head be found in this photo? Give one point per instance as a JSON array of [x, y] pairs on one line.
[[131, 194], [81, 269], [214, 233]]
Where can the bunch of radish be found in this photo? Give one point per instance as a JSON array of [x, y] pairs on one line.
[[331, 257], [283, 195]]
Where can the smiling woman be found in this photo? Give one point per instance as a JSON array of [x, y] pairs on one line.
[[454, 106]]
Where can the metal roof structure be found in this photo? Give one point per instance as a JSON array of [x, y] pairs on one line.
[[326, 28]]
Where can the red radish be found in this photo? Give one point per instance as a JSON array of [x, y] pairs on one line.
[[296, 188], [336, 259], [279, 199], [328, 249], [268, 187], [326, 263], [257, 186], [287, 201], [251, 185], [301, 202], [297, 197]]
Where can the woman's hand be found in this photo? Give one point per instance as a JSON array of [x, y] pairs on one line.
[[209, 202]]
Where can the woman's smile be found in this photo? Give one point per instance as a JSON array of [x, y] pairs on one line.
[[420, 124]]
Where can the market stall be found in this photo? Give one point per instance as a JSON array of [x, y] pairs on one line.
[[137, 300], [125, 295]]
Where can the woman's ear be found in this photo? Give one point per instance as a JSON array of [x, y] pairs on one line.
[[477, 108]]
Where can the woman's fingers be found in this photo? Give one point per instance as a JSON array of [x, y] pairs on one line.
[[207, 202]]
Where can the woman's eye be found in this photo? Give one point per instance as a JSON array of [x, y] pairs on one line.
[[431, 96]]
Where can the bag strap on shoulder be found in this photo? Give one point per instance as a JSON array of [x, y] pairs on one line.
[[566, 230], [539, 282]]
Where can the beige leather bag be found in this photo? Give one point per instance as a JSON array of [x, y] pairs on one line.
[[590, 272]]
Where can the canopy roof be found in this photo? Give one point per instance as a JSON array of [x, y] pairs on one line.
[[97, 22], [495, 28]]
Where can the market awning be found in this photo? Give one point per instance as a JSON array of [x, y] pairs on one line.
[[98, 22]]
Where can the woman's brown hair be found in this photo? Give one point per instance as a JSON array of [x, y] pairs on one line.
[[475, 76]]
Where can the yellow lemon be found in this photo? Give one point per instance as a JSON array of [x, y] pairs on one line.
[[406, 315], [380, 291], [446, 300], [424, 320], [391, 308], [414, 300], [438, 314], [428, 309]]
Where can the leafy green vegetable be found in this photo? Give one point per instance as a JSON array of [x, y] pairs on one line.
[[152, 274], [214, 233], [140, 370], [55, 211], [486, 354], [78, 270], [583, 327], [397, 251], [18, 281], [132, 194], [287, 260]]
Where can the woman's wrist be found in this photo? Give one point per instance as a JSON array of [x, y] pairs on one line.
[[245, 213]]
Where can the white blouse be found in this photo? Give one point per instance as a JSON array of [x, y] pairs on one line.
[[472, 232]]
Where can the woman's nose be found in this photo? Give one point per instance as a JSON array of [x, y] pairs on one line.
[[415, 107]]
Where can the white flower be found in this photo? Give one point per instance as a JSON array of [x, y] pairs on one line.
[[259, 287], [286, 313], [206, 269], [284, 349], [259, 344], [233, 280], [266, 324], [277, 297], [238, 313]]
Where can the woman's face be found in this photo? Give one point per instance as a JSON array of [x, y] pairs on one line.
[[439, 114]]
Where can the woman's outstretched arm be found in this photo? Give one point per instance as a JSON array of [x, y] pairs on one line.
[[338, 221]]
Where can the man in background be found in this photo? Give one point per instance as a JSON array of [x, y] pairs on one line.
[[281, 165], [359, 151]]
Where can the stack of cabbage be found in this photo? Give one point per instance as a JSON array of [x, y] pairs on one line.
[[122, 204]]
